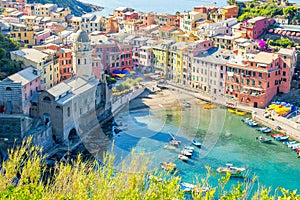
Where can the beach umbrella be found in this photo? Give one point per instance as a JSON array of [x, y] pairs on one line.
[[288, 33], [293, 33], [298, 34], [117, 72], [124, 71], [283, 33], [276, 31], [271, 31], [279, 32]]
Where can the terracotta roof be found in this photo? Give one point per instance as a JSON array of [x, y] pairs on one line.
[[168, 28]]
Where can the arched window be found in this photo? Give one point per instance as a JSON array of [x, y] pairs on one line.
[[58, 107], [47, 99], [8, 89]]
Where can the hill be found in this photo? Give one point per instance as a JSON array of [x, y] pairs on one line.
[[77, 8]]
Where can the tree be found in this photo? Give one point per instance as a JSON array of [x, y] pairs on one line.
[[290, 12], [231, 2]]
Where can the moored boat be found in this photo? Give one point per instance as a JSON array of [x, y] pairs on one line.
[[264, 140], [267, 130], [242, 113], [231, 169], [281, 138], [245, 120], [183, 157], [289, 142], [262, 128], [168, 166], [186, 153], [169, 147], [209, 107], [190, 148], [294, 146], [187, 187], [196, 143], [231, 110], [252, 123], [174, 142], [277, 135]]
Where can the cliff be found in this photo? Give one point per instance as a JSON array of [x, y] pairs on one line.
[[77, 8]]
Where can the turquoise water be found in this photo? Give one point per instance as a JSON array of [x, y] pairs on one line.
[[166, 6], [225, 139]]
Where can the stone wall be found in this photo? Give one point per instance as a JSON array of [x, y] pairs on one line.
[[11, 97]]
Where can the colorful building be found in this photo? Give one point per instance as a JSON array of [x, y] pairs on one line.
[[46, 63], [255, 79], [188, 20], [255, 27], [113, 54], [161, 58], [18, 90]]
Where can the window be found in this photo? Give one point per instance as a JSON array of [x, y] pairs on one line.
[[283, 73], [69, 112], [8, 89], [248, 82], [47, 99], [78, 61], [253, 82], [260, 75], [284, 65]]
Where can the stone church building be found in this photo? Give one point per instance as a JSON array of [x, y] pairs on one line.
[[65, 105]]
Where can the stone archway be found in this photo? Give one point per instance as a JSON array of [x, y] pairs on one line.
[[73, 136]]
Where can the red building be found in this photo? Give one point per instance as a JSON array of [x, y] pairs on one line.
[[65, 63], [256, 78], [253, 28]]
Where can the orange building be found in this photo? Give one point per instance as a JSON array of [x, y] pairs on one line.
[[229, 12], [112, 25]]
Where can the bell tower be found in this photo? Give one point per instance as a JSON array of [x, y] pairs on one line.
[[82, 55]]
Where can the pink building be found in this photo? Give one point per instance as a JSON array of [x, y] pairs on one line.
[[253, 28], [130, 15], [97, 68], [113, 54], [145, 58], [147, 18], [19, 90], [40, 36], [256, 78]]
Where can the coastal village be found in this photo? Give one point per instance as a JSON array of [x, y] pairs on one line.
[[69, 67]]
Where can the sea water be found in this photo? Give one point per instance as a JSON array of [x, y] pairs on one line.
[[158, 6], [225, 138]]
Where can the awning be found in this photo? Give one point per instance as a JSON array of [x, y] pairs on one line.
[[117, 72], [279, 31]]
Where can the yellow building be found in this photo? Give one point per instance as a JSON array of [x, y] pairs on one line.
[[185, 37], [176, 60], [22, 33], [161, 58], [44, 62]]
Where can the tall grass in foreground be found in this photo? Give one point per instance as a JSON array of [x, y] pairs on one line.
[[24, 176]]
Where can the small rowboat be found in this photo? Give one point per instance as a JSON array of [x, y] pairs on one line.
[[175, 143], [196, 143], [281, 138], [183, 157], [277, 135], [186, 153], [231, 169], [264, 140], [169, 147], [252, 123], [267, 130], [209, 107], [168, 166], [289, 142], [231, 110], [189, 148]]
